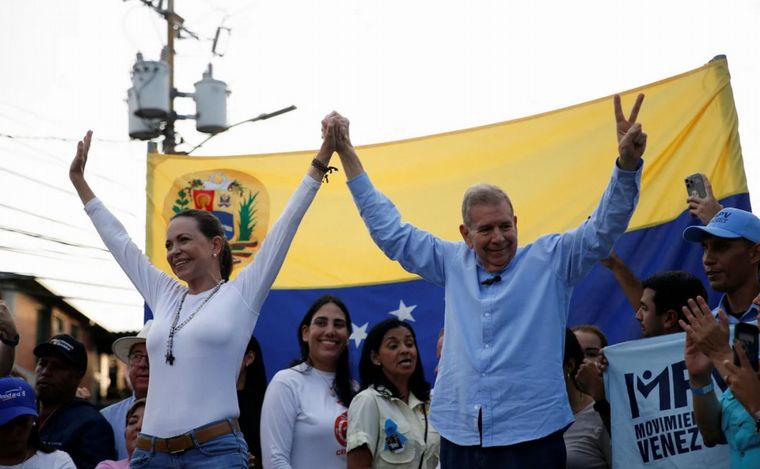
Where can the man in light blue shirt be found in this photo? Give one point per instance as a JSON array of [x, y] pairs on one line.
[[131, 350], [731, 258], [500, 397]]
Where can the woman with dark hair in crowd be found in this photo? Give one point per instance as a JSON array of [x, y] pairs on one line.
[[251, 386], [20, 444], [586, 441], [132, 428], [202, 325], [304, 417], [388, 421]]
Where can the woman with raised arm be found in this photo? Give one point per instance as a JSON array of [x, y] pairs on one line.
[[201, 326]]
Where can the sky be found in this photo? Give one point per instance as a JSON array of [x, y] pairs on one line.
[[397, 69]]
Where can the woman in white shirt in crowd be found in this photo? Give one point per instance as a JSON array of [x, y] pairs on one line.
[[201, 327], [304, 416], [388, 423]]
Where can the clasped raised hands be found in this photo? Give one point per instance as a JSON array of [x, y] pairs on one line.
[[335, 134]]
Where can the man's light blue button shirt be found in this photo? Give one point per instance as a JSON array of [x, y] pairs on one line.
[[504, 342]]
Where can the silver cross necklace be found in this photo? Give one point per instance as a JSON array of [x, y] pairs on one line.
[[176, 327]]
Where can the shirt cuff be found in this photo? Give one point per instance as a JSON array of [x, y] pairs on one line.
[[359, 184], [92, 204], [623, 171]]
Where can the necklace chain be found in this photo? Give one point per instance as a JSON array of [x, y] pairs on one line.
[[330, 385], [176, 327]]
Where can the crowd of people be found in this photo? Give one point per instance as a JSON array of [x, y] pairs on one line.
[[502, 398]]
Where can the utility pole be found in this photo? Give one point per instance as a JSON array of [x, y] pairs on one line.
[[169, 136], [150, 100]]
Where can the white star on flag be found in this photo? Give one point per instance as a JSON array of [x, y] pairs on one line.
[[404, 312], [359, 334]]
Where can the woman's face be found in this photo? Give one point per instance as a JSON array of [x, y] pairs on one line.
[[15, 434], [397, 354], [327, 336], [188, 251], [134, 425]]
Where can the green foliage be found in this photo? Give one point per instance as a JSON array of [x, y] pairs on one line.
[[183, 196], [247, 217]]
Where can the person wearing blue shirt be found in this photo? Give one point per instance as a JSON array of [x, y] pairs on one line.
[[500, 398]]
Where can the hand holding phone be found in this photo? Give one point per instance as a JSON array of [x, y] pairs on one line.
[[748, 335], [695, 185]]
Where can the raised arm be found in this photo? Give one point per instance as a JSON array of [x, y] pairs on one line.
[[704, 208], [632, 141], [627, 280], [148, 280], [581, 248], [76, 170], [416, 250], [348, 157], [256, 279]]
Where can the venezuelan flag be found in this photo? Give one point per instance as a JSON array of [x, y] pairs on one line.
[[554, 166]]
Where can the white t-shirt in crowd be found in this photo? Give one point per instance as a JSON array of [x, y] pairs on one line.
[[303, 426], [55, 460]]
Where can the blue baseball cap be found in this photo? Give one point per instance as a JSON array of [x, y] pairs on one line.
[[17, 398], [728, 223]]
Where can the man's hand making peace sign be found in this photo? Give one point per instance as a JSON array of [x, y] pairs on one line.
[[631, 138]]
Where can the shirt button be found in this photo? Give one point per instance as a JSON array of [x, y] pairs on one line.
[[488, 315], [482, 374], [488, 345]]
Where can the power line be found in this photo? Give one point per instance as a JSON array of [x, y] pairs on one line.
[[59, 189], [89, 284], [42, 217], [57, 255], [59, 139], [93, 300], [48, 238], [60, 161], [38, 181]]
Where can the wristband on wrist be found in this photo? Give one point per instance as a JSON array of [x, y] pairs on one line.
[[323, 168], [704, 390]]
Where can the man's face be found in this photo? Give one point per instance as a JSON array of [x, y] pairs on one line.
[[138, 370], [492, 234], [652, 324], [729, 263], [56, 379]]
